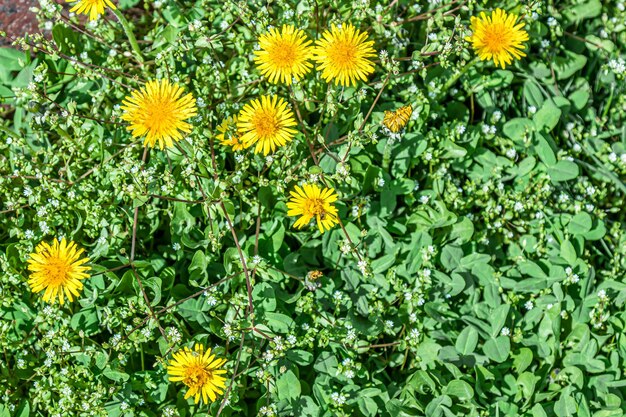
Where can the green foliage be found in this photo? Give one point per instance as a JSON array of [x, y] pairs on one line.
[[479, 266]]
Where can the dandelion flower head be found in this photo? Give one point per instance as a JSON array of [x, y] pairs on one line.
[[93, 8], [498, 37], [199, 371], [310, 201], [284, 55], [158, 111], [342, 54], [267, 123], [57, 269], [228, 135]]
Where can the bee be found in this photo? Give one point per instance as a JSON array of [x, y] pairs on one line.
[[396, 120], [314, 275]]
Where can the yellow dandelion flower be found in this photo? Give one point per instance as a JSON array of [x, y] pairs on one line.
[[158, 111], [498, 37], [283, 55], [199, 371], [228, 135], [342, 55], [396, 120], [58, 269], [267, 123], [93, 8], [311, 201]]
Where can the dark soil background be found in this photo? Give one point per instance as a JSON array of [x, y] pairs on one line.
[[16, 19]]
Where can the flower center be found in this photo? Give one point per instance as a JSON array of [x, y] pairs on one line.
[[159, 114], [56, 271], [343, 54], [497, 38], [196, 376], [314, 207], [265, 123], [283, 54]]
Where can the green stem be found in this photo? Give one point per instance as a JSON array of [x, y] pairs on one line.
[[129, 35], [8, 131], [455, 77]]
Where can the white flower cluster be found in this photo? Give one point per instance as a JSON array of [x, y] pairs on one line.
[[617, 66]]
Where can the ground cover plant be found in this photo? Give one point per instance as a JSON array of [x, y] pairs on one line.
[[314, 208]]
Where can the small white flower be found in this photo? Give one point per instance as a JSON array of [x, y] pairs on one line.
[[460, 129], [362, 266], [529, 305], [176, 246], [505, 331], [338, 399]]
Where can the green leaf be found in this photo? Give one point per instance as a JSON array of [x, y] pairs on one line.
[[526, 382], [462, 231], [523, 360], [568, 252], [23, 410], [300, 357], [563, 171], [580, 224], [288, 386], [198, 268], [102, 358], [547, 117], [451, 257], [278, 322], [538, 411], [497, 349], [566, 66], [326, 363], [498, 319], [586, 10], [518, 128], [86, 320], [544, 150], [467, 341], [263, 295], [532, 93], [116, 376], [460, 389], [367, 406]]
